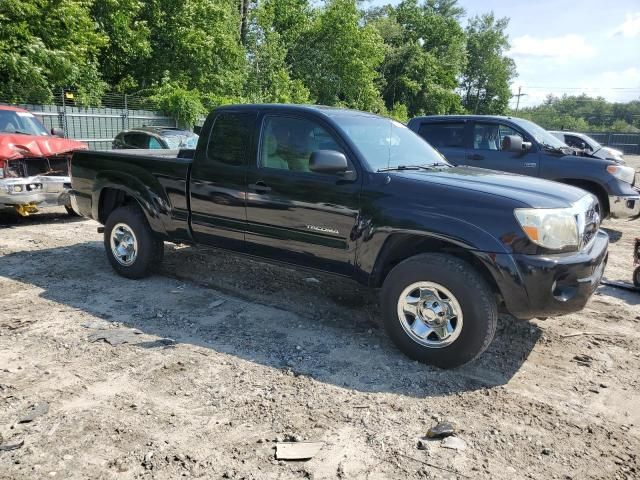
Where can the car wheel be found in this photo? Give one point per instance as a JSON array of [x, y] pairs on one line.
[[70, 211], [636, 277], [132, 248], [439, 310]]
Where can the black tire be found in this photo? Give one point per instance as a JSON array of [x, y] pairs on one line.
[[470, 289], [150, 249], [70, 211], [636, 277]]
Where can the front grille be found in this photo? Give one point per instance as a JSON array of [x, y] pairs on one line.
[[592, 218], [55, 166]]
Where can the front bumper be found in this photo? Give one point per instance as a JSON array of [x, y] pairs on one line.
[[543, 286], [624, 206], [40, 191]]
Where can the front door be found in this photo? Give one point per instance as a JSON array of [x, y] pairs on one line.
[[296, 215], [486, 150], [218, 181]]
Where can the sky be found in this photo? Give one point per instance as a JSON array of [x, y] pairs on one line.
[[569, 46]]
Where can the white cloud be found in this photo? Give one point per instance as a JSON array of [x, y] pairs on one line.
[[630, 28], [565, 47]]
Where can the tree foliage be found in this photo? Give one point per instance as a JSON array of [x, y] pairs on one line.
[[46, 46], [585, 114], [191, 55], [488, 72]]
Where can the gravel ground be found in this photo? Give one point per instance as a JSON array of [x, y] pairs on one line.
[[225, 356]]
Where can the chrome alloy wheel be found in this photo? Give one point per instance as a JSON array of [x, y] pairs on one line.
[[430, 314], [124, 244]]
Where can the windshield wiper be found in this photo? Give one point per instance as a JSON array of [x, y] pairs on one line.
[[19, 132], [413, 167]]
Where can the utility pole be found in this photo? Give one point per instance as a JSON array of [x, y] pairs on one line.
[[519, 95]]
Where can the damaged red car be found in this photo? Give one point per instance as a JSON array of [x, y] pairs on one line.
[[34, 163]]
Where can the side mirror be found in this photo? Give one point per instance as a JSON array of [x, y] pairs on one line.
[[514, 143], [328, 161], [57, 132]]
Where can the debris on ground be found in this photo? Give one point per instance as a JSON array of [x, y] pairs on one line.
[[455, 443], [34, 412], [216, 303], [116, 336], [297, 450], [583, 360], [7, 447], [441, 430], [311, 280]]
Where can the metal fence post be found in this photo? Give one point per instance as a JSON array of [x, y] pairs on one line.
[[125, 114], [63, 116]]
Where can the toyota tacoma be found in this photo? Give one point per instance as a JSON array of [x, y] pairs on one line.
[[362, 196]]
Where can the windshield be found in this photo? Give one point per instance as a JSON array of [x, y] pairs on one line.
[[20, 122], [185, 140], [385, 143], [595, 146], [540, 134]]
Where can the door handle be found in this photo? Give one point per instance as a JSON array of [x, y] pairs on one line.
[[259, 187], [476, 156]]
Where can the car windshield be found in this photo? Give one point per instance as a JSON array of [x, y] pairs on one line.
[[541, 135], [386, 143], [20, 122], [177, 140], [592, 143]]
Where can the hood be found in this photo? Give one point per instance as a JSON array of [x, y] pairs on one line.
[[612, 153], [530, 191], [14, 146]]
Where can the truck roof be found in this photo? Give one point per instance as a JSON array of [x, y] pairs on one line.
[[466, 117], [12, 108], [323, 109]]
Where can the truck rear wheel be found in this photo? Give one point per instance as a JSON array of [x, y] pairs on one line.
[[132, 248], [439, 310]]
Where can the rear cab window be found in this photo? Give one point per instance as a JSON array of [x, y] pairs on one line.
[[443, 135], [230, 138]]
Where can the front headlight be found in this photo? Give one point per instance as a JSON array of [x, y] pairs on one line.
[[626, 174], [553, 228]]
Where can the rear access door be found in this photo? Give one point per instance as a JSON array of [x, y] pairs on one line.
[[296, 215], [218, 180]]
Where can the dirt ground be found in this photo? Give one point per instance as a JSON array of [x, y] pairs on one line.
[[227, 355]]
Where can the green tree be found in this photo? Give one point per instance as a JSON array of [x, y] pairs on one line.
[[424, 55], [488, 73], [128, 44], [47, 45], [337, 58], [195, 44]]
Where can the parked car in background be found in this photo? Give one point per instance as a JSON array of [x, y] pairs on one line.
[[520, 146], [155, 138], [584, 143], [34, 163], [362, 196]]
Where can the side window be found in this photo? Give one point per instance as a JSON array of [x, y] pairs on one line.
[[136, 140], [489, 136], [287, 143], [154, 143], [447, 135], [230, 136], [576, 142]]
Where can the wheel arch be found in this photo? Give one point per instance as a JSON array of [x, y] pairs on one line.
[[400, 246], [591, 187]]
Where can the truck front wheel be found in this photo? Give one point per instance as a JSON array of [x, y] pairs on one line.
[[439, 310], [132, 248]]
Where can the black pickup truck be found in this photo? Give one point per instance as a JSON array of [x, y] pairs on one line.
[[361, 196], [520, 146]]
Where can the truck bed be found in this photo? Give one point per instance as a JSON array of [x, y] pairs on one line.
[[161, 174]]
